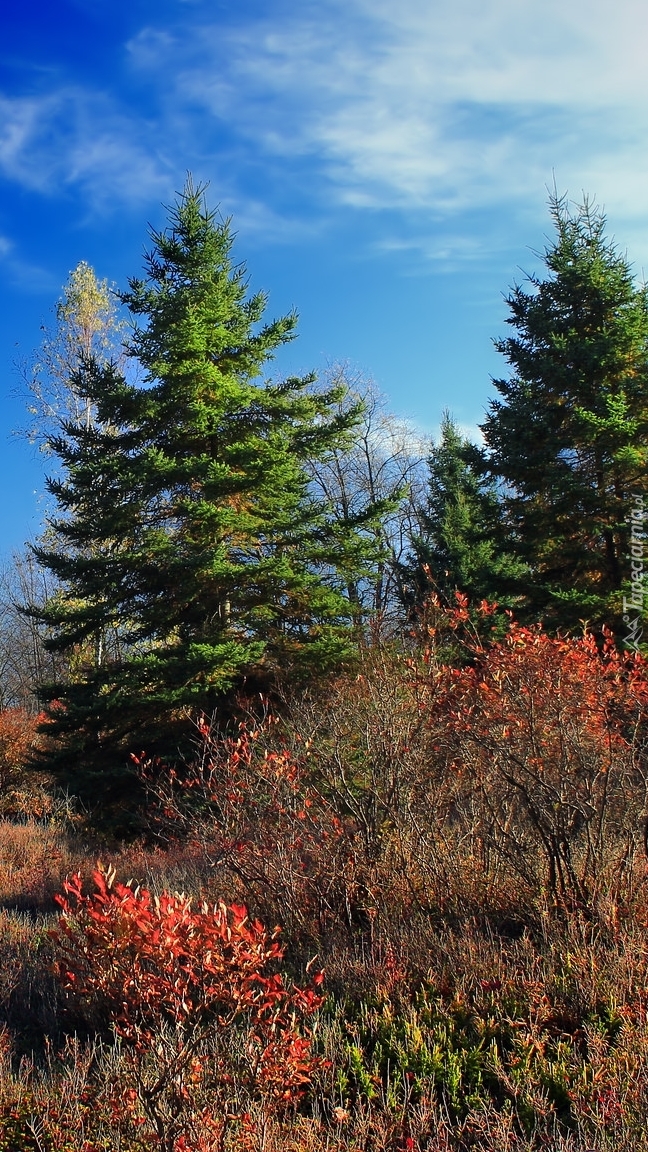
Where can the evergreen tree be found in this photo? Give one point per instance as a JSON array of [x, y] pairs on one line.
[[569, 438], [461, 545], [185, 522]]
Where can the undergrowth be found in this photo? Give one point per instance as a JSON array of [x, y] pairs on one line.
[[455, 840]]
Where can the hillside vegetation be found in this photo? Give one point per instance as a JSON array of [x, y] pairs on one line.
[[455, 854], [323, 754]]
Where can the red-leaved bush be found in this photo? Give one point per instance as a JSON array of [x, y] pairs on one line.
[[18, 736], [174, 980], [264, 817], [542, 746], [471, 774]]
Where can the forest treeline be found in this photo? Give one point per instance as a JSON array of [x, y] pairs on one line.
[[214, 530]]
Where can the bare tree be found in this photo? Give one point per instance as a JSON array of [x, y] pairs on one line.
[[385, 466], [24, 660]]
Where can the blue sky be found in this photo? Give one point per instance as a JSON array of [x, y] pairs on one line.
[[385, 164]]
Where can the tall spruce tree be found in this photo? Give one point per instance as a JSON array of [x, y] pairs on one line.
[[461, 545], [186, 525], [569, 438]]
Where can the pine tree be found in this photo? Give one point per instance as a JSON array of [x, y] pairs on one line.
[[185, 523], [569, 438], [461, 545]]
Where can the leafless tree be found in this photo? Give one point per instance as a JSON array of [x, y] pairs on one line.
[[385, 465], [24, 660]]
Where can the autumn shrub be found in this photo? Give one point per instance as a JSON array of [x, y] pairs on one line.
[[535, 1043], [418, 828], [509, 781], [520, 1044], [503, 784], [167, 977], [312, 817], [22, 792], [543, 742], [18, 734], [458, 832], [271, 833]]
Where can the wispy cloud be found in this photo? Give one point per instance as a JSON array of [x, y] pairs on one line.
[[423, 106], [72, 138], [429, 105], [21, 273]]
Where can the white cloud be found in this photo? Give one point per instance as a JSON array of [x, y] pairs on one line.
[[447, 250], [21, 273], [421, 106], [431, 105], [72, 137]]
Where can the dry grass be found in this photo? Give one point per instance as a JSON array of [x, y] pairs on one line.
[[473, 1002]]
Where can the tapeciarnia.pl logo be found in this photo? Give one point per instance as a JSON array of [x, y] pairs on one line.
[[634, 605]]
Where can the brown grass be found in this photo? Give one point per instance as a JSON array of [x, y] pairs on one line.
[[475, 999]]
